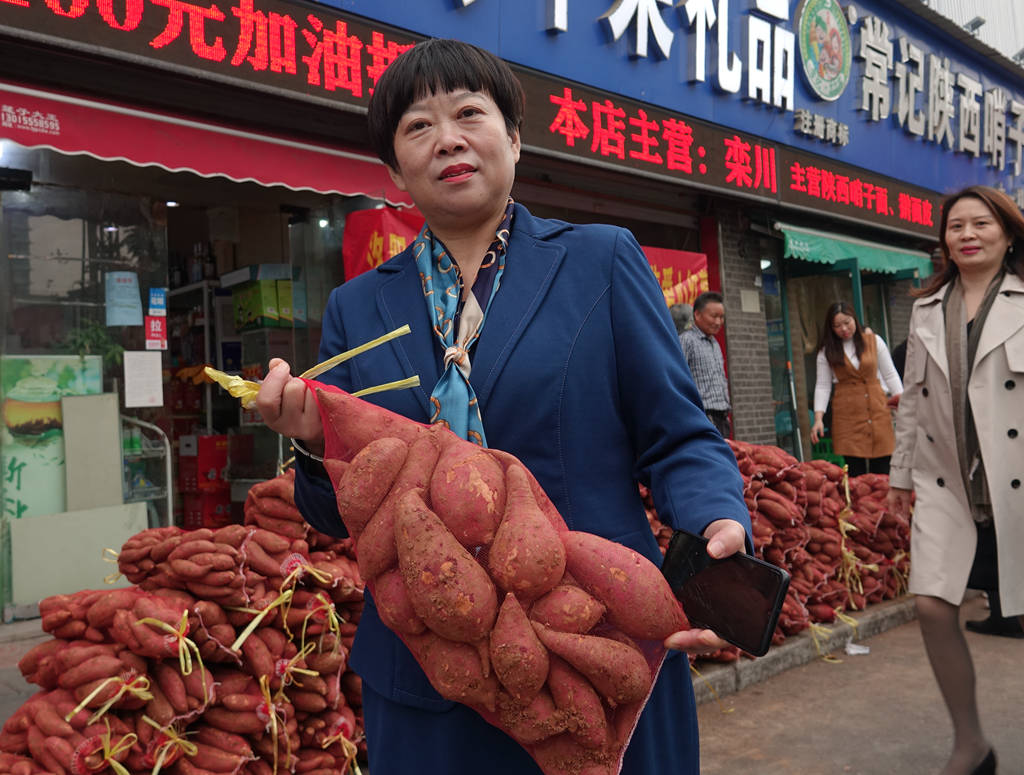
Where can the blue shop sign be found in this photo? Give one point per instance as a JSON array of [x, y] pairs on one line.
[[869, 84]]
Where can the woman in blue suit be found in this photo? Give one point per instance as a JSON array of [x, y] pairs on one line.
[[545, 339]]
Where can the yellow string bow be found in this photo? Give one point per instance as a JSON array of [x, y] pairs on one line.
[[247, 390], [348, 749], [111, 555], [325, 605], [283, 599], [291, 668], [821, 630], [137, 686], [174, 740], [186, 648], [272, 718], [111, 749]]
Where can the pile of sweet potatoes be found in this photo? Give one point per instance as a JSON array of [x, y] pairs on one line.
[[227, 655], [554, 636]]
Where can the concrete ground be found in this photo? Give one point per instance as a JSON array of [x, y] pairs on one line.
[[872, 714]]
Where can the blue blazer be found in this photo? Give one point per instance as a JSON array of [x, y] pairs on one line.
[[579, 373]]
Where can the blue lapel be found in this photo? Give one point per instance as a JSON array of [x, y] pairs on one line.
[[400, 301], [533, 263]]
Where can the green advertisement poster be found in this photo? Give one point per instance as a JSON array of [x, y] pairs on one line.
[[32, 440]]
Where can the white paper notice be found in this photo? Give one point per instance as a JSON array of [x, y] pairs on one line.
[[143, 378]]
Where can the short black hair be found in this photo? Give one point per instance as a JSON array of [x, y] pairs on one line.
[[433, 66], [708, 297]]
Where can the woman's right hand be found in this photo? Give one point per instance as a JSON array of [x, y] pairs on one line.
[[817, 431], [288, 407], [898, 502]]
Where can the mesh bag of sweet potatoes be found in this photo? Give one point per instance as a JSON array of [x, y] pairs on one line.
[[552, 635]]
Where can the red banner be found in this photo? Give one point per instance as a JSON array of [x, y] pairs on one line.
[[374, 236], [683, 276]]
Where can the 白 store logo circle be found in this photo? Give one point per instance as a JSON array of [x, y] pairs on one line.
[[825, 47]]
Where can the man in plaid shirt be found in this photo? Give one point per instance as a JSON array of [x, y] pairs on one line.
[[705, 358]]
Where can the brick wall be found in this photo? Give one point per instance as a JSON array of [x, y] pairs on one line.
[[900, 304], [746, 334]]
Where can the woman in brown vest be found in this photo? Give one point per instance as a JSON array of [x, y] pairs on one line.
[[858, 363]]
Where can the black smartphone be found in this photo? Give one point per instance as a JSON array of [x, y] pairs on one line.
[[739, 597]]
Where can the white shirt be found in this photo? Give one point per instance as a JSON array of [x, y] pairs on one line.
[[888, 377]]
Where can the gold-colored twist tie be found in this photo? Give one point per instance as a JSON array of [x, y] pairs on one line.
[[330, 616], [290, 669], [111, 555], [847, 619], [110, 749], [137, 687], [821, 630], [301, 570], [711, 689], [272, 713], [282, 599], [348, 749], [186, 648], [89, 697], [247, 390], [173, 740]]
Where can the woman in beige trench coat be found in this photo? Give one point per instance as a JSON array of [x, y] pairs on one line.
[[960, 444]]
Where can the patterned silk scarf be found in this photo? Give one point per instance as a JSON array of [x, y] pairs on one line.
[[453, 400]]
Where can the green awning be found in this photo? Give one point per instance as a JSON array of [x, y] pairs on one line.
[[826, 248]]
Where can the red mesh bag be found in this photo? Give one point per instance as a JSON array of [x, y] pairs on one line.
[[553, 636]]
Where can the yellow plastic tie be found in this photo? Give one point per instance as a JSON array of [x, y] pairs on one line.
[[272, 713], [290, 669], [331, 618], [111, 556], [821, 630], [247, 390], [348, 749], [137, 687], [282, 599], [711, 688], [111, 749], [173, 740], [186, 648]]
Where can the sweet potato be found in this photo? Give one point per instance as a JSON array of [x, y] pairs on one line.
[[619, 673], [637, 597], [573, 694], [455, 670], [375, 548], [526, 557], [351, 423], [568, 608], [449, 590], [536, 721], [562, 755], [543, 501], [467, 491], [518, 657], [394, 606], [367, 480]]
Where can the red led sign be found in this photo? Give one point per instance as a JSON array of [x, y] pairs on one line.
[[592, 126], [310, 50]]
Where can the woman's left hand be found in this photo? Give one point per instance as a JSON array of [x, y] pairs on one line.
[[725, 537]]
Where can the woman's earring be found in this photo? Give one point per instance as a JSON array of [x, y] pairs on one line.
[[1010, 249]]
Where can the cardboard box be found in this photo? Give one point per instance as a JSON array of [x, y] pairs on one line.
[[255, 305], [248, 274], [299, 316], [284, 302]]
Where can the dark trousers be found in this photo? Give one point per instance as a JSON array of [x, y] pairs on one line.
[[720, 419], [867, 465]]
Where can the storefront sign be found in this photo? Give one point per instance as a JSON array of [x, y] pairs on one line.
[[683, 276], [867, 89], [573, 121], [374, 236]]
